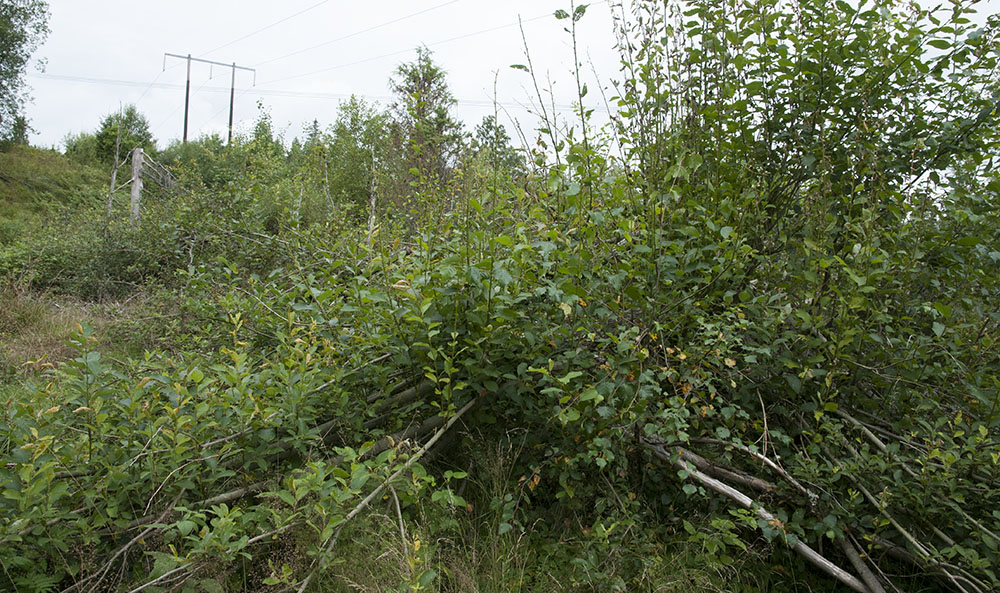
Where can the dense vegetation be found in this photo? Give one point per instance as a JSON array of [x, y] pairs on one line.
[[742, 338]]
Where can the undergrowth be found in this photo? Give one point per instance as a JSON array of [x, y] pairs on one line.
[[742, 339]]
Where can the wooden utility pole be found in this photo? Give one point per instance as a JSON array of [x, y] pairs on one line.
[[232, 87], [232, 101], [187, 99]]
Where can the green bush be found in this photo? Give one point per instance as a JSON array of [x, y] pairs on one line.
[[751, 324]]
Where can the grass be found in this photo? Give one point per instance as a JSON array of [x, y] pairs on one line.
[[33, 329], [34, 178], [466, 551], [34, 183]]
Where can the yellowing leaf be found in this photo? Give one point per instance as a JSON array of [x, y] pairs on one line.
[[730, 362]]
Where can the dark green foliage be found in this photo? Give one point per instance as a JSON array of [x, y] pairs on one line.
[[424, 143], [432, 136], [82, 148], [121, 132], [18, 134], [792, 274], [23, 27], [356, 143], [492, 144]]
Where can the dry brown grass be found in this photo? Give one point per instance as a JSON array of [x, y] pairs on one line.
[[34, 328]]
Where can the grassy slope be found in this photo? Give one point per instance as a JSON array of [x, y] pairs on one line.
[[34, 182]]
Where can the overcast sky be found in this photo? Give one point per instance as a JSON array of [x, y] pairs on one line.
[[308, 55]]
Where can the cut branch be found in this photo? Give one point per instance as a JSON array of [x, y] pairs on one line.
[[724, 473], [859, 565], [746, 502], [760, 457]]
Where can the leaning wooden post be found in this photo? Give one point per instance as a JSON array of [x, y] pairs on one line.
[[137, 159], [373, 188]]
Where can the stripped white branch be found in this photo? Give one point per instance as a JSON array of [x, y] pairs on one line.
[[746, 502]]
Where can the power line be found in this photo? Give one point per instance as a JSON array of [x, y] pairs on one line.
[[248, 35], [356, 33], [273, 92], [178, 108], [232, 87], [148, 87], [107, 81], [219, 112], [404, 51], [304, 75], [327, 96], [262, 29]]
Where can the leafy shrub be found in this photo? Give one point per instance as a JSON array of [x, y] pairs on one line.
[[770, 325]]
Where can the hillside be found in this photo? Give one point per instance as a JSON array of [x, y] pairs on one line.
[[743, 338], [36, 182]]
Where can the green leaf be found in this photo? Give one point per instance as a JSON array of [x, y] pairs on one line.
[[794, 382], [938, 329], [211, 586], [186, 527], [359, 477], [427, 577], [943, 309]]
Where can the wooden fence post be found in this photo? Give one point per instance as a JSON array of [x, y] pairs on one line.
[[136, 199]]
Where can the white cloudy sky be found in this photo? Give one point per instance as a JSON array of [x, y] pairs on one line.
[[310, 55]]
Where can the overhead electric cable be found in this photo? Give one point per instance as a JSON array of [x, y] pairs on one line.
[[270, 93], [262, 29], [148, 87], [196, 91], [356, 33], [404, 51]]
